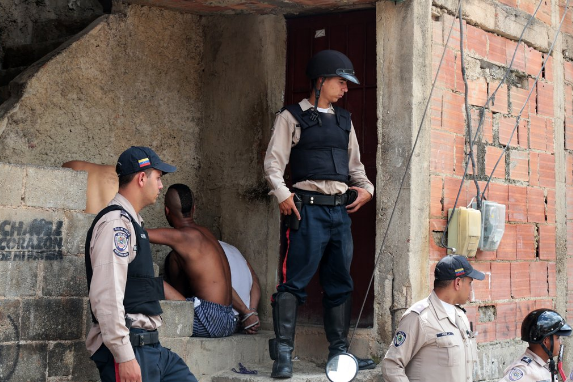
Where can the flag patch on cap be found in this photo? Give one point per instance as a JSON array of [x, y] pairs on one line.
[[144, 162], [460, 271]]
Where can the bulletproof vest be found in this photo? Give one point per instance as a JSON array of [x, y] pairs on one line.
[[322, 151], [142, 290]]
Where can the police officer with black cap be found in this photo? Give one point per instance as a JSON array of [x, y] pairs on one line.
[[124, 294], [541, 329], [318, 139]]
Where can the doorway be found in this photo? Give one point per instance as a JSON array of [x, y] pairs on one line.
[[354, 34]]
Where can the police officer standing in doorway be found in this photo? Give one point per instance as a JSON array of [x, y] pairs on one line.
[[318, 139], [542, 329], [434, 340], [124, 294]]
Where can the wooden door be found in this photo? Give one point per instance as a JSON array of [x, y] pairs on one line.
[[354, 34]]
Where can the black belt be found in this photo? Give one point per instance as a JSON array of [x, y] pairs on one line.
[[142, 339], [324, 200]]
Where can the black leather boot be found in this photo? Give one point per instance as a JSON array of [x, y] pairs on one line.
[[336, 326], [284, 321]]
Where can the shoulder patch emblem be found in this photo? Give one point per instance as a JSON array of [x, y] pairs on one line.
[[121, 241], [399, 338], [527, 360], [515, 374]]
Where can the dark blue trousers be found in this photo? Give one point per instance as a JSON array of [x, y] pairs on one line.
[[323, 242], [158, 364]]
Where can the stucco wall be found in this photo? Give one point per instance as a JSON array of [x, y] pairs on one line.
[[243, 85], [132, 79]]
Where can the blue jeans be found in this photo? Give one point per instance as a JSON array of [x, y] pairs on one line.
[[158, 364], [323, 242]]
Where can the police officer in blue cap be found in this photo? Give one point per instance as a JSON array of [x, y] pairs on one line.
[[124, 294], [434, 340]]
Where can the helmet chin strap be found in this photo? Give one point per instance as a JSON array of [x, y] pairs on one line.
[[315, 114], [550, 354]]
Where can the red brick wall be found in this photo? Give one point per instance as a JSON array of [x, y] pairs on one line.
[[521, 274]]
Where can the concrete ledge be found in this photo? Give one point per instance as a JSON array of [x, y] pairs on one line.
[[53, 187], [177, 319], [209, 356]]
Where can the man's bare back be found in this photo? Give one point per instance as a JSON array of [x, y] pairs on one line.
[[197, 266]]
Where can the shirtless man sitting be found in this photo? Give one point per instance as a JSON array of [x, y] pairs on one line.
[[197, 267]]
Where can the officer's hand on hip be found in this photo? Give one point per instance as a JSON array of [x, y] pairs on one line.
[[287, 207], [129, 371], [363, 198]]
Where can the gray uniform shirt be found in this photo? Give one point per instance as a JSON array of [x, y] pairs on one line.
[[528, 368], [429, 347]]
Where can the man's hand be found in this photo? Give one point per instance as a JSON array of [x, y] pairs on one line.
[[363, 198], [254, 319], [287, 206], [129, 371]]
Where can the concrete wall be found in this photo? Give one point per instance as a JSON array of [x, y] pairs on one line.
[[243, 85], [128, 79], [44, 311]]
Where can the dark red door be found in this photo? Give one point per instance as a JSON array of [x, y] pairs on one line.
[[354, 34]]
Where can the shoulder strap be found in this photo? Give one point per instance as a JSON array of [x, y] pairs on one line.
[[88, 262], [302, 117]]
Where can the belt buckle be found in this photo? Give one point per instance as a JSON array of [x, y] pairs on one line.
[[337, 199], [141, 339]]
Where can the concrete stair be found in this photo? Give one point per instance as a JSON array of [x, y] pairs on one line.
[[303, 371], [212, 359]]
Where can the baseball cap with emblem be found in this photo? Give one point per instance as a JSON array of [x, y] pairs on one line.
[[453, 266], [139, 158]]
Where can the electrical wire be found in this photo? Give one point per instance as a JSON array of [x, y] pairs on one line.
[[479, 199], [467, 106], [404, 177], [518, 119]]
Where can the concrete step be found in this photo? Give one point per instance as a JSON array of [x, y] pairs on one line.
[[211, 359], [303, 371], [209, 356]]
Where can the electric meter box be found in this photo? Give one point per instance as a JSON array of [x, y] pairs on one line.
[[493, 225], [464, 231]]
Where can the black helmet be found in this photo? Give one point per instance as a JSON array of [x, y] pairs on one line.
[[331, 63], [542, 323]]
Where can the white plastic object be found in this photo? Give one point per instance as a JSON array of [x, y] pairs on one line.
[[464, 231]]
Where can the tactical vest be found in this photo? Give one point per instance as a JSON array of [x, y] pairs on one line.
[[322, 151], [142, 290]]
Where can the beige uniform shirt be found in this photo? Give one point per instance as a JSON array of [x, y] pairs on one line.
[[108, 285], [286, 135], [529, 368], [429, 347]]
